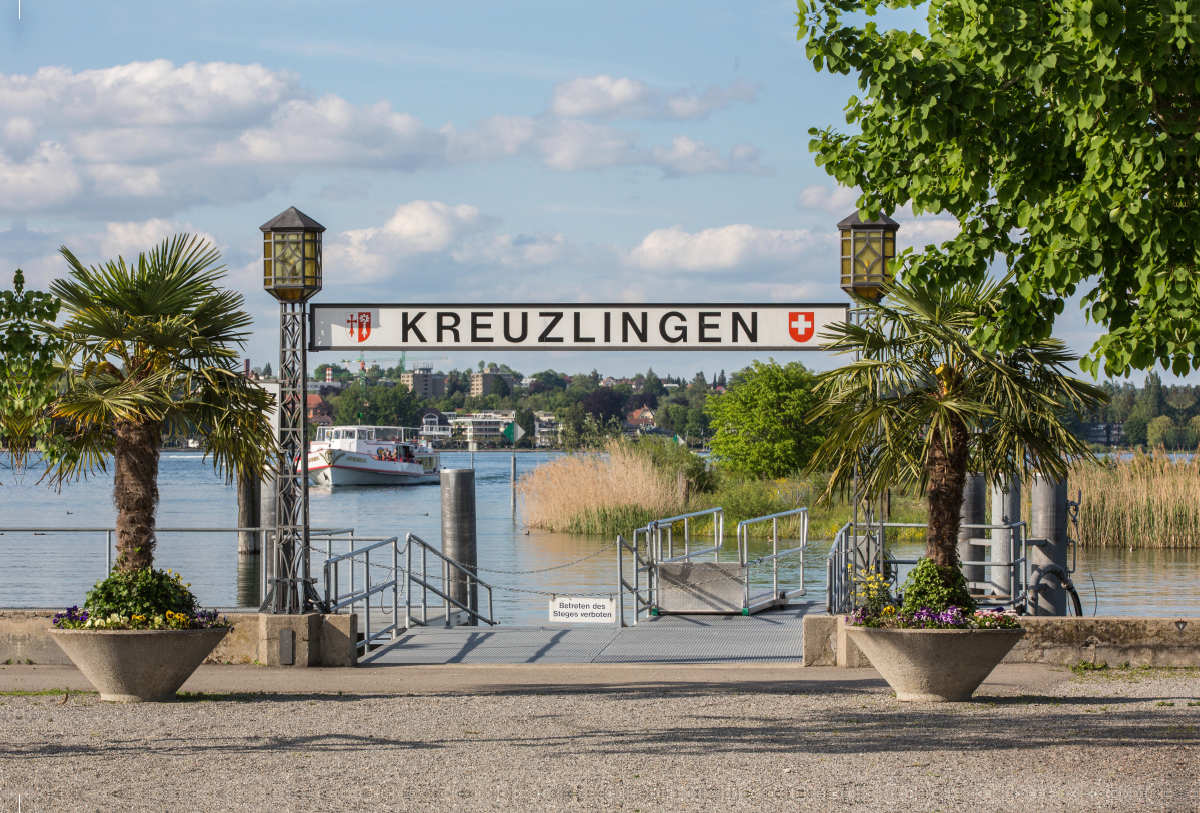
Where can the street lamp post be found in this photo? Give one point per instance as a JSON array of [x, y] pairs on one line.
[[292, 274], [867, 251]]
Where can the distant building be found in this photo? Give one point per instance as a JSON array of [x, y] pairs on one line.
[[640, 418], [482, 383], [609, 382], [435, 426], [319, 412], [482, 427], [424, 382], [1108, 434], [546, 429]]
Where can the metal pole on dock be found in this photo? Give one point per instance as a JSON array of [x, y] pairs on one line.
[[512, 478], [458, 537], [1048, 521], [1006, 509], [972, 513]]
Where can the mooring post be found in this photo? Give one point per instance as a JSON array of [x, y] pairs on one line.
[[458, 537], [1006, 510], [972, 513], [1048, 521], [248, 513]]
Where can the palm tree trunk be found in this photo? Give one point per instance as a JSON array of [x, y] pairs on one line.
[[135, 492], [947, 464]]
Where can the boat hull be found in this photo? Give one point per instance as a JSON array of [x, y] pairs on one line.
[[346, 469]]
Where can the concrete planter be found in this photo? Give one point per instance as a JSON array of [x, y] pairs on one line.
[[134, 666], [934, 665]]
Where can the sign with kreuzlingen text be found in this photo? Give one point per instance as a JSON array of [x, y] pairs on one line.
[[571, 327]]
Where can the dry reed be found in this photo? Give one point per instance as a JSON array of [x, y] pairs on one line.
[[1142, 501], [609, 493]]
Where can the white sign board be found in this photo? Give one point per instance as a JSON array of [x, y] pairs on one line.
[[583, 610], [572, 327]]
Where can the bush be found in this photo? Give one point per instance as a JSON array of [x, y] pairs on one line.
[[147, 592], [935, 589], [670, 457]]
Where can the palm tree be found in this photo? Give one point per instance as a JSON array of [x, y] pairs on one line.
[[923, 406], [152, 348]]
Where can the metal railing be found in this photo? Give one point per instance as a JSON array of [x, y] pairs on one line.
[[654, 545], [351, 579], [316, 535], [864, 548], [743, 535], [448, 566]]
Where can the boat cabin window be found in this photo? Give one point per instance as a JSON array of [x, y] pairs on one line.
[[362, 434], [321, 434]]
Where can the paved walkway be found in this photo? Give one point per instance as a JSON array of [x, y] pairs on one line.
[[768, 637]]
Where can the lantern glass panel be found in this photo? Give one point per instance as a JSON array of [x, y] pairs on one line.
[[288, 258]]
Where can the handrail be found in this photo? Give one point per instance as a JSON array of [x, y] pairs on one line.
[[743, 536], [423, 581], [837, 581]]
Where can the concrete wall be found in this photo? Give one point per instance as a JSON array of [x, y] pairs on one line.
[[1058, 641], [327, 640]]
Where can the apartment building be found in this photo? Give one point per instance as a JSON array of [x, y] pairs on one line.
[[482, 383], [422, 381], [482, 427]]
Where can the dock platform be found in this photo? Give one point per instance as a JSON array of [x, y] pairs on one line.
[[775, 636]]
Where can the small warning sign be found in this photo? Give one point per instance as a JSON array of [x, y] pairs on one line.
[[583, 610]]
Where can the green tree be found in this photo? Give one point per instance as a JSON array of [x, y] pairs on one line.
[[759, 427], [28, 351], [1135, 430], [500, 387], [924, 405], [1150, 402], [152, 348], [1160, 432], [1062, 137]]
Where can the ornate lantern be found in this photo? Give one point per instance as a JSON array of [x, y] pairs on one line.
[[867, 253], [292, 256]]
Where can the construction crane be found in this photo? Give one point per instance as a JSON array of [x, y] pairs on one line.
[[403, 358]]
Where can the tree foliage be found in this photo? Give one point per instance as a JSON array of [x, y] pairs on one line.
[[152, 347], [1062, 136], [28, 351], [758, 426], [923, 405]]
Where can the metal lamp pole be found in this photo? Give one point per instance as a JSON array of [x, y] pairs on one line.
[[292, 274], [867, 251]]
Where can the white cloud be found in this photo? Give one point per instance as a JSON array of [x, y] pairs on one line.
[[718, 249], [605, 98], [420, 227], [149, 137], [839, 201], [517, 251]]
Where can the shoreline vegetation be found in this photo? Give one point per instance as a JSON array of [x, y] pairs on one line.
[[1141, 500], [628, 484]]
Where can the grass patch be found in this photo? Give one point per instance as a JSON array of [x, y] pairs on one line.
[[1087, 667], [217, 697], [43, 692]]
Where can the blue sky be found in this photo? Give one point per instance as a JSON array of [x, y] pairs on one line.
[[529, 151]]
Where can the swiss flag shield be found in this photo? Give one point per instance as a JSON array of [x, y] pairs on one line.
[[359, 325], [802, 325]]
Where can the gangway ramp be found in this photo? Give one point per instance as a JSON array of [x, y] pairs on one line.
[[773, 636]]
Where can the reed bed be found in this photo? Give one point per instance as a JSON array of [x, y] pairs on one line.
[[606, 493], [1141, 501]]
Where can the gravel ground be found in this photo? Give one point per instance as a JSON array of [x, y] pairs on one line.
[[1114, 741]]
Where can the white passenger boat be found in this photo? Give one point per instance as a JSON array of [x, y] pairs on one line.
[[371, 456]]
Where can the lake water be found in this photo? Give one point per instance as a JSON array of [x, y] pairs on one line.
[[55, 570]]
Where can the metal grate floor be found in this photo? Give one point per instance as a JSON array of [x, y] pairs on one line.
[[769, 637]]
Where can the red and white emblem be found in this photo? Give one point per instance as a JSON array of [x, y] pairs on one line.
[[801, 325], [359, 325]]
